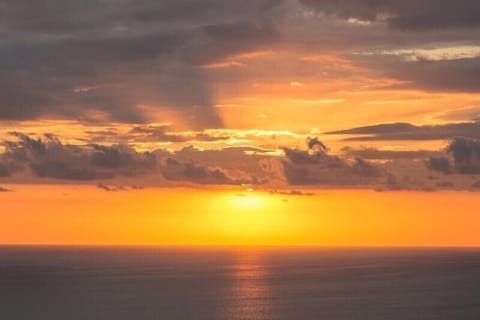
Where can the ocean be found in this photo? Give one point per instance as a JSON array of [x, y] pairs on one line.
[[116, 283]]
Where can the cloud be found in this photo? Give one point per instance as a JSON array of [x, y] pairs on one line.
[[316, 145], [236, 160], [6, 169], [463, 74], [377, 154], [407, 131], [464, 158], [441, 164], [110, 188], [189, 171], [163, 133], [292, 193], [476, 185], [129, 61], [63, 58], [2, 189], [463, 114], [31, 159], [47, 157], [315, 166], [466, 155], [407, 15]]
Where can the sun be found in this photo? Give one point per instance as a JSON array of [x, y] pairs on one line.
[[248, 201], [247, 217]]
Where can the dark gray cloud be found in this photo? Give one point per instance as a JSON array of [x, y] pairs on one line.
[[47, 157], [315, 166], [466, 155], [63, 58], [446, 185], [476, 185], [76, 60], [29, 159], [463, 74], [196, 173], [441, 164], [233, 166], [463, 158], [316, 145], [408, 15], [407, 131], [121, 157], [244, 163], [7, 168], [65, 16], [395, 25]]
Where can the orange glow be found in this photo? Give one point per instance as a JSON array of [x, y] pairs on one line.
[[86, 215]]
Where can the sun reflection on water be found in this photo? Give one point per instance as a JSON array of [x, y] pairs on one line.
[[250, 293]]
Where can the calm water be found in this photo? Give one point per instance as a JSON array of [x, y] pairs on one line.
[[106, 283]]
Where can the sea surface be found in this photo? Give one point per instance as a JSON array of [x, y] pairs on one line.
[[68, 283]]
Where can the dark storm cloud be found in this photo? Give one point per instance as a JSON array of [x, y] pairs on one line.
[[47, 157], [315, 166], [407, 131], [409, 15], [63, 58]]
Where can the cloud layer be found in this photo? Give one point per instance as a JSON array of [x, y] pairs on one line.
[[408, 15], [127, 61], [408, 131], [64, 58], [28, 159]]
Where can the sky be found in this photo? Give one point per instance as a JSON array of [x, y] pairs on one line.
[[271, 100]]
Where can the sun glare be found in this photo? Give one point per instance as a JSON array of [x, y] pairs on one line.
[[249, 201], [248, 217]]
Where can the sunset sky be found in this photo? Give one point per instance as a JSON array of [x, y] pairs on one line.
[[253, 122]]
